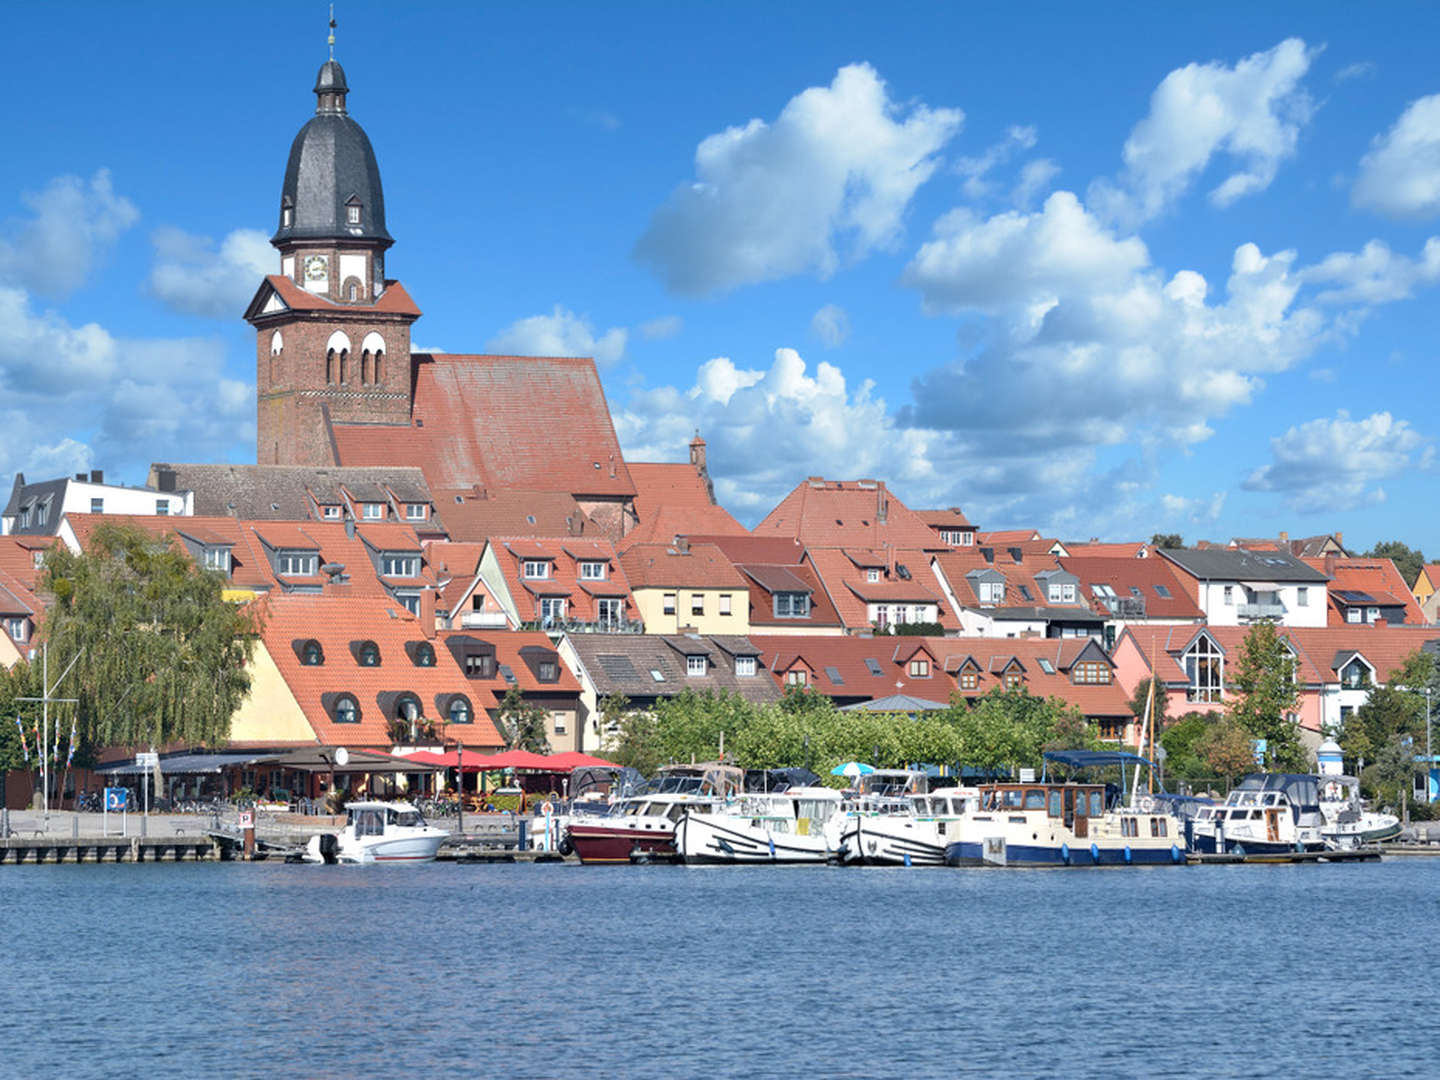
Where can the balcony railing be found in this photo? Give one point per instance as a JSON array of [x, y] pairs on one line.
[[580, 626], [1262, 610], [483, 620], [1126, 607]]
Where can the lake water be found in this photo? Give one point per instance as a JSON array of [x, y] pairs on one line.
[[264, 970]]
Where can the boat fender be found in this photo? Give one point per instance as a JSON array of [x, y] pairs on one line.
[[329, 848], [1065, 854], [907, 858], [1174, 853], [1129, 856], [1095, 853], [566, 845]]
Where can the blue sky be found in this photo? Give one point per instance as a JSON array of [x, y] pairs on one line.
[[1102, 271]]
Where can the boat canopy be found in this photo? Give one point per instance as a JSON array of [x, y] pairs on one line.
[[1094, 759], [1303, 789]]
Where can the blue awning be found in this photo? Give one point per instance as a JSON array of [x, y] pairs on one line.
[[1093, 759], [189, 764]]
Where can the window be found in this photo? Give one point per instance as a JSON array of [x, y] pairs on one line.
[[372, 511], [37, 559], [162, 507], [298, 563], [592, 571], [1354, 615], [1355, 675], [352, 215], [1229, 595], [480, 665], [668, 603], [872, 576], [967, 539], [1162, 591], [1091, 672], [792, 605], [695, 665], [459, 711], [919, 668], [424, 654], [1013, 680], [558, 719], [410, 602], [537, 568], [394, 565], [1302, 596], [1205, 668], [969, 680], [477, 602], [552, 608], [97, 506], [798, 677], [745, 666], [697, 603], [547, 670], [1371, 614], [346, 711], [330, 513], [311, 654], [724, 603], [416, 511], [992, 592], [287, 216], [610, 611], [369, 654], [17, 627], [1054, 594]]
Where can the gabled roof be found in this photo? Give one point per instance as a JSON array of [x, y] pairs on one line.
[[1095, 549], [289, 296], [293, 492], [766, 580], [767, 550], [623, 664], [504, 422], [1025, 597], [1231, 564], [562, 556], [846, 584], [1377, 580], [475, 516], [676, 499], [1153, 578], [951, 518], [847, 513], [699, 566]]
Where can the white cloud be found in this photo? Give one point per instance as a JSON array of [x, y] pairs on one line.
[[666, 326], [1375, 274], [191, 276], [1195, 510], [977, 169], [1400, 176], [1251, 113], [74, 223], [561, 333], [831, 325], [1337, 464], [829, 180], [1035, 177], [1361, 69]]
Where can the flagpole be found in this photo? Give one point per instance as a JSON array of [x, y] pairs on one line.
[[45, 699]]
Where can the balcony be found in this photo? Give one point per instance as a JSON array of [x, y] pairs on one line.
[[1262, 609], [483, 620], [1126, 607], [580, 626]]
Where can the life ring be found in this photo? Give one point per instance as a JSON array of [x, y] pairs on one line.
[[1146, 804], [546, 808]]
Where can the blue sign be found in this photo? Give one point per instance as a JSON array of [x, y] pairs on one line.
[[116, 798], [1259, 747]]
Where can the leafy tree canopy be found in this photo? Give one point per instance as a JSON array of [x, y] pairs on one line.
[[1167, 541], [160, 656], [1392, 711], [1264, 696], [1226, 748], [522, 723]]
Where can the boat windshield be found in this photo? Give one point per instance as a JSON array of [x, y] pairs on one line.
[[410, 819], [368, 821]]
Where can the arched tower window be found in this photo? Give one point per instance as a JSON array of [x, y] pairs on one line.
[[378, 357], [374, 344], [365, 366], [337, 356], [330, 366], [277, 343], [344, 365]]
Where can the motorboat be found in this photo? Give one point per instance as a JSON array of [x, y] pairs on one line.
[[378, 832], [1347, 823], [642, 826], [1068, 823], [797, 825], [1266, 814], [914, 834]]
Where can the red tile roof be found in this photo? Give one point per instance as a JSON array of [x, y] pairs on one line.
[[474, 518], [1008, 536], [455, 567], [1094, 549], [853, 657], [1431, 571], [563, 556], [1124, 574], [952, 518], [765, 580], [504, 422], [1378, 578], [847, 513], [663, 525], [770, 550], [845, 583], [394, 300], [659, 566], [957, 563], [17, 557]]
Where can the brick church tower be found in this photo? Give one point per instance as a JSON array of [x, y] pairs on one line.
[[332, 335]]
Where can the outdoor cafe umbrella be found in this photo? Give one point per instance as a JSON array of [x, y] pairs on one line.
[[852, 769]]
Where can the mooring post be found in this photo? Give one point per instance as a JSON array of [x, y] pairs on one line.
[[74, 826]]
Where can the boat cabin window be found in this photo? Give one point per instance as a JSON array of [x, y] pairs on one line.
[[409, 818], [655, 809], [1097, 804], [367, 822], [1034, 799], [1157, 826], [676, 811], [1054, 804]]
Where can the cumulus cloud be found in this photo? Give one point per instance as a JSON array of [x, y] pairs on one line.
[[666, 326], [73, 224], [1337, 464], [1251, 114], [1374, 275], [194, 277], [561, 333], [976, 170], [1035, 177], [1194, 510], [1400, 176], [829, 180], [831, 325]]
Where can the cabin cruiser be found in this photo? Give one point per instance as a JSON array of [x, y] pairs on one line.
[[916, 835], [1266, 814], [378, 832], [1055, 823], [1347, 823], [797, 825], [642, 826]]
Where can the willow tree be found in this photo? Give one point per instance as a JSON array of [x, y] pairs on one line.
[[160, 656]]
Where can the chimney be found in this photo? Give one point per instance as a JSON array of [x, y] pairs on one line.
[[1381, 624], [427, 612], [350, 527], [1330, 561], [336, 572], [1284, 537], [165, 479], [97, 476], [612, 466], [1340, 539], [80, 476], [882, 512]]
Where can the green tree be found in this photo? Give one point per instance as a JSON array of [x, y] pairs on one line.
[[1139, 700], [1394, 769], [1167, 541], [1393, 710], [1005, 729], [1180, 739], [1226, 748], [522, 723], [637, 745], [160, 656], [1264, 696], [1407, 560]]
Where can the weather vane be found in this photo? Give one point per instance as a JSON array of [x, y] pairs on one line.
[[331, 39]]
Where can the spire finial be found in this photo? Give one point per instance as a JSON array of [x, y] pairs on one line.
[[331, 39]]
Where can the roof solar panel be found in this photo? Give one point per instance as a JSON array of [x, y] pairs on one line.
[[617, 667]]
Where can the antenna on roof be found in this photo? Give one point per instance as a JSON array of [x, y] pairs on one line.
[[331, 39]]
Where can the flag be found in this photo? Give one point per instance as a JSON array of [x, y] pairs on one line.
[[69, 757], [23, 745]]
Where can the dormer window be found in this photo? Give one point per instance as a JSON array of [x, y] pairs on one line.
[[872, 576], [919, 668], [537, 569], [969, 680], [548, 670], [352, 213], [745, 666], [424, 655], [1355, 675], [397, 565], [1062, 593], [368, 654], [797, 677], [592, 571], [1205, 668], [372, 511], [416, 511], [218, 558], [347, 711], [459, 712], [330, 513], [1091, 672], [297, 563], [992, 592], [480, 665], [287, 213], [792, 605], [1013, 680]]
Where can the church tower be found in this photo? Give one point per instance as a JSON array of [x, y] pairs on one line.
[[332, 334]]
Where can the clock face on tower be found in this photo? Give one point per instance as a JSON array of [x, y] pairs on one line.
[[316, 268]]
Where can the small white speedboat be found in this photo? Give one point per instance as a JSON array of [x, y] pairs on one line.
[[378, 832]]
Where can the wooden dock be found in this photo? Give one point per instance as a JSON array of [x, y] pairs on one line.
[[1365, 854], [111, 849]]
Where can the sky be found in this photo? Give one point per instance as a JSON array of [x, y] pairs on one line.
[[1100, 270]]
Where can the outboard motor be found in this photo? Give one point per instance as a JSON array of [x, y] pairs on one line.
[[329, 848]]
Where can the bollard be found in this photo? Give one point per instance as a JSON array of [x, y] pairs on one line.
[[144, 825], [4, 823], [75, 827], [521, 823], [247, 832]]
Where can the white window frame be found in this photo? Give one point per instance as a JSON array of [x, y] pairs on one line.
[[552, 607], [416, 511], [536, 570], [16, 626], [745, 667], [1302, 596], [696, 666], [352, 215], [610, 610], [919, 668], [724, 603], [217, 558], [330, 513], [668, 603], [399, 565], [372, 511], [697, 604], [592, 570], [872, 575], [297, 563]]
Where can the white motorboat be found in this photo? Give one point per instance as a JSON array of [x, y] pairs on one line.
[[1347, 823], [798, 825], [1266, 814], [642, 827], [915, 835], [378, 832]]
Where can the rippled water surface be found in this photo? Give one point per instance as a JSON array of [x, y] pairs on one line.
[[570, 971]]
